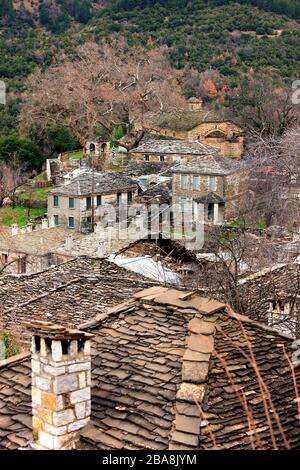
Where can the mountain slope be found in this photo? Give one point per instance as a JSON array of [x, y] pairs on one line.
[[233, 39]]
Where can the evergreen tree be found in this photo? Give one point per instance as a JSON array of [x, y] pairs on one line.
[[6, 9], [82, 11]]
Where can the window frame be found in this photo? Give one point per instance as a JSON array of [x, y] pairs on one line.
[[55, 200], [88, 204], [196, 187], [181, 201], [69, 219], [184, 182], [72, 206], [211, 179]]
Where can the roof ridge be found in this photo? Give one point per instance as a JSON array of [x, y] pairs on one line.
[[245, 319], [15, 359], [263, 272], [192, 390]]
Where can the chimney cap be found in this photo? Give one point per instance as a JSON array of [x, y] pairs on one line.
[[54, 331]]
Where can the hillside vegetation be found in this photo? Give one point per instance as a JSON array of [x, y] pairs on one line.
[[233, 39]]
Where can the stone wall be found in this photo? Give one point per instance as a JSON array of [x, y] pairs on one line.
[[258, 291], [191, 193], [21, 263], [234, 190], [228, 146], [167, 158], [80, 208]]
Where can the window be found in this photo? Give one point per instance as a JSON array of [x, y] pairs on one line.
[[195, 208], [147, 158], [183, 202], [129, 197], [281, 316], [211, 211], [71, 222], [71, 203], [196, 182], [22, 266], [162, 158], [88, 202], [184, 182], [212, 183], [55, 201], [119, 198], [99, 200], [56, 220], [4, 259]]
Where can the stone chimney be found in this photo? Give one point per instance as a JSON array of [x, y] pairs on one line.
[[101, 250], [61, 385], [45, 224], [14, 230], [69, 243]]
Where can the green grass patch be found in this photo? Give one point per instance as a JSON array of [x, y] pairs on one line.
[[76, 155], [41, 176], [261, 225], [18, 215], [9, 347]]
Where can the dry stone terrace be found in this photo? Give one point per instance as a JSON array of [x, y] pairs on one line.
[[71, 294]]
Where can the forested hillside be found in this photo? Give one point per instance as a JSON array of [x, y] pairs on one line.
[[231, 40], [284, 7]]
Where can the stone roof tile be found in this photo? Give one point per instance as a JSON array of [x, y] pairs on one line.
[[154, 392]]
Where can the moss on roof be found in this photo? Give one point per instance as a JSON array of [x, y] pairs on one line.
[[183, 120]]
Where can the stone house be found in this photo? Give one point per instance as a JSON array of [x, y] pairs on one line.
[[272, 296], [194, 104], [97, 151], [71, 205], [202, 127], [162, 361], [158, 149], [28, 252], [211, 184]]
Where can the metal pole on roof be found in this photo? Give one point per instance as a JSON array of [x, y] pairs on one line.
[[93, 192]]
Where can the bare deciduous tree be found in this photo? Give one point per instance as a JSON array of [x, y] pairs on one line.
[[101, 87], [274, 179], [10, 179], [266, 109]]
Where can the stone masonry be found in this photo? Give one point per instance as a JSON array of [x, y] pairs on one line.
[[61, 385]]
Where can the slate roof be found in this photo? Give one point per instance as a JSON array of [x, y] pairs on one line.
[[210, 198], [160, 192], [15, 402], [37, 242], [210, 165], [183, 120], [173, 370], [69, 294], [105, 183], [163, 146]]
